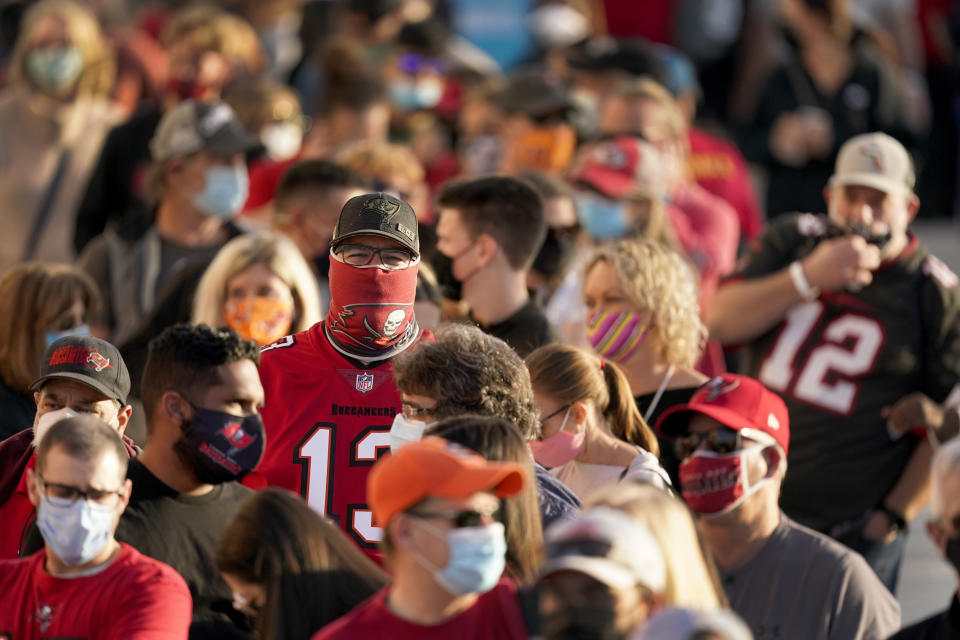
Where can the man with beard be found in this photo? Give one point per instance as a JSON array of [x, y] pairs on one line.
[[330, 395], [202, 395], [853, 322]]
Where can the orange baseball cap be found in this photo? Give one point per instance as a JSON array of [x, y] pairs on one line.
[[435, 468]]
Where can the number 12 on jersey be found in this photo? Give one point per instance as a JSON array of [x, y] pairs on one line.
[[315, 455], [848, 346]]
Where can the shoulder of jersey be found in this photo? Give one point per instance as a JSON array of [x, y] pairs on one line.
[[934, 268]]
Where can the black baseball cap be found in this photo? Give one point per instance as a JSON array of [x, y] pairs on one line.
[[631, 56], [88, 360], [194, 126], [536, 93], [379, 214]]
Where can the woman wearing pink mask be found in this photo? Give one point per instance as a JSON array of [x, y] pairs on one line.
[[260, 286], [593, 435]]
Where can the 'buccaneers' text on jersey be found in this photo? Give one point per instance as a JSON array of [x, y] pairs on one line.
[[837, 361]]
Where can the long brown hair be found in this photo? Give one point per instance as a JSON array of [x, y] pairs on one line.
[[311, 572], [499, 441], [570, 374], [36, 294]]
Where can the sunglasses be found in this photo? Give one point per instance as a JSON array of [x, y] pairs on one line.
[[717, 440], [464, 518], [544, 419]]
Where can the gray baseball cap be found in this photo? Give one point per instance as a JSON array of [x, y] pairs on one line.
[[194, 126]]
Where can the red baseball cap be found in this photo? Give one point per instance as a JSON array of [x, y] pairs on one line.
[[735, 401], [434, 467], [621, 167]]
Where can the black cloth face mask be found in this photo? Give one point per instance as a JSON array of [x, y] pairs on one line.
[[221, 447]]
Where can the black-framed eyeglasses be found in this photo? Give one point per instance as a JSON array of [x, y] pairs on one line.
[[67, 493], [544, 419], [463, 518], [717, 440], [360, 255]]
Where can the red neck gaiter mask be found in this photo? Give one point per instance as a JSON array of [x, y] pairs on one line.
[[371, 310]]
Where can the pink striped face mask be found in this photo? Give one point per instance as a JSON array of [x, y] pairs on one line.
[[616, 335]]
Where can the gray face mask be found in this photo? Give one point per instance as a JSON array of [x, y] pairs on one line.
[[77, 531]]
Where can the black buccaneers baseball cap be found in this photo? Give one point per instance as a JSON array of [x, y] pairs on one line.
[[378, 214], [88, 360]]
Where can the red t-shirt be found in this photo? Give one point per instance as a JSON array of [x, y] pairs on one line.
[[135, 598], [327, 423], [496, 615], [15, 516]]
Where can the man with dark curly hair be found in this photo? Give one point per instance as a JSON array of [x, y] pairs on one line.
[[468, 371]]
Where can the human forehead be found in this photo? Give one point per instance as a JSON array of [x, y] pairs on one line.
[[375, 241], [478, 500], [48, 29], [238, 380], [256, 274], [62, 389], [450, 224], [102, 471], [602, 279]]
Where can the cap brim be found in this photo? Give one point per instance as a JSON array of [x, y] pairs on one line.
[[505, 479], [606, 571], [674, 421], [77, 377], [372, 232], [610, 183], [870, 180], [231, 140]]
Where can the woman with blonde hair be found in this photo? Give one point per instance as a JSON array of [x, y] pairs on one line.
[[642, 313], [260, 286], [692, 579], [592, 433], [54, 115], [44, 302]]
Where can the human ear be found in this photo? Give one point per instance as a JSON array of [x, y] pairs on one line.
[[32, 491], [774, 459], [579, 416]]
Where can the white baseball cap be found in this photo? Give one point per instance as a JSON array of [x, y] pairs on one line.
[[874, 160]]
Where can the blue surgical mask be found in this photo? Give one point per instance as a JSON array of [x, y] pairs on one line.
[[477, 557], [75, 531], [601, 217], [55, 69], [225, 189], [53, 336]]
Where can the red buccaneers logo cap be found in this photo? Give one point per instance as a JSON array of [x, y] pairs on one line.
[[88, 360]]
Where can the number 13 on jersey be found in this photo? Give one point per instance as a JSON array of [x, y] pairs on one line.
[[320, 478]]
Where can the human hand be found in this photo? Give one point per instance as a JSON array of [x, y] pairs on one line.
[[844, 262], [787, 140], [911, 411], [878, 528]]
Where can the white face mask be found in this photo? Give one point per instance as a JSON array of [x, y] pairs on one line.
[[77, 531], [405, 430], [49, 419]]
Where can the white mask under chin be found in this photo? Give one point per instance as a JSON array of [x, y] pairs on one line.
[[47, 420]]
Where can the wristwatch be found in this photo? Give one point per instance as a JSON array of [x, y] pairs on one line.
[[897, 521]]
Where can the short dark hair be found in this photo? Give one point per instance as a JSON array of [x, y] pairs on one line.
[[315, 176], [468, 371], [84, 437], [546, 184], [506, 208], [184, 357]]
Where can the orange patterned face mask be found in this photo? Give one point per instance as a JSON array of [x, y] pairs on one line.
[[260, 319]]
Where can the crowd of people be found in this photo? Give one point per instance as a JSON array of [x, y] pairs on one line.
[[355, 319]]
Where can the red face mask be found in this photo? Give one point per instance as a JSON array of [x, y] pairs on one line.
[[371, 309], [716, 483]]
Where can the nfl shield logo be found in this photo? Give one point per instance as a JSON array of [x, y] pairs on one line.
[[364, 382]]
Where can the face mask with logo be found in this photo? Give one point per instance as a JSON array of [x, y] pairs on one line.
[[602, 218], [371, 309], [49, 419], [282, 140], [75, 531], [53, 336], [405, 430], [260, 318], [477, 557], [616, 335], [54, 69], [225, 189], [560, 448], [716, 483], [221, 447]]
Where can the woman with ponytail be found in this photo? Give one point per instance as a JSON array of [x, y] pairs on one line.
[[592, 434]]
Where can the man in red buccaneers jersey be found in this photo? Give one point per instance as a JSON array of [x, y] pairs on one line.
[[330, 395]]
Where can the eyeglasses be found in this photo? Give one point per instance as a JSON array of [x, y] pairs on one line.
[[464, 518], [544, 419], [414, 412], [718, 440], [359, 255], [66, 493]]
